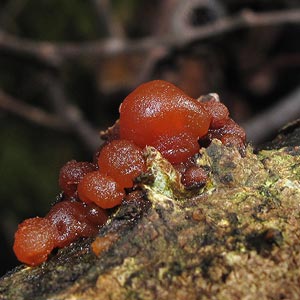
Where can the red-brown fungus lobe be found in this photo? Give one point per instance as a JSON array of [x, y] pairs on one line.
[[101, 189], [123, 161], [194, 177], [177, 148], [218, 112], [229, 129], [34, 240], [157, 114], [96, 215], [71, 220], [232, 140], [159, 109], [71, 174]]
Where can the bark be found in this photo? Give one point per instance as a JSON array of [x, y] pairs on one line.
[[236, 238]]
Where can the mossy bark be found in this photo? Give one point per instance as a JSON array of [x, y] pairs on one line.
[[236, 238]]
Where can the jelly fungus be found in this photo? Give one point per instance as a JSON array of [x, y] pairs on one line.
[[157, 114], [100, 189], [123, 161], [34, 240], [72, 221], [70, 175], [158, 110]]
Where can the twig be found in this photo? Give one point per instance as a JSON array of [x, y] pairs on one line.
[[67, 118], [31, 113], [45, 53], [54, 55], [71, 114], [246, 19], [264, 124], [181, 23]]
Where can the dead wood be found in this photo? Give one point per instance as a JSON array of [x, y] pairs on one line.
[[237, 238]]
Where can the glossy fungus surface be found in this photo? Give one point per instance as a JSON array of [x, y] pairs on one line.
[[232, 128], [123, 161], [101, 189], [71, 221], [218, 111], [70, 175], [96, 215], [157, 114], [230, 134], [158, 109], [177, 148], [34, 240], [194, 177]]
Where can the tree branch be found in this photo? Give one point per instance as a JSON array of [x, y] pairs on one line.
[[71, 114], [67, 117], [30, 113], [265, 123], [54, 54], [246, 19]]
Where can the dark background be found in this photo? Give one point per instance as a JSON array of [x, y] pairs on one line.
[[65, 66]]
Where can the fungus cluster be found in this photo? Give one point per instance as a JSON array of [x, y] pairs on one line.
[[156, 114]]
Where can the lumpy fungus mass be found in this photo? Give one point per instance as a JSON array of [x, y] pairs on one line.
[[156, 114]]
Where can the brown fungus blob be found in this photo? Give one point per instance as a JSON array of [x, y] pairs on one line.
[[156, 114]]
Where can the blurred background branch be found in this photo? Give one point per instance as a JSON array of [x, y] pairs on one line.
[[64, 74], [30, 113], [54, 54], [71, 114], [264, 123]]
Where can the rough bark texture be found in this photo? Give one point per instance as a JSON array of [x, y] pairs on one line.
[[237, 238]]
